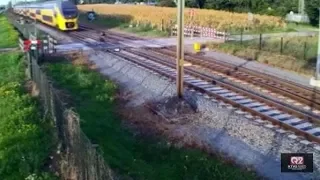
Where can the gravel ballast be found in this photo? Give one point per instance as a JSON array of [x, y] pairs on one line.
[[249, 142]]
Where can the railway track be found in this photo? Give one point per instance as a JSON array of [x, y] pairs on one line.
[[293, 93], [287, 117], [299, 93], [278, 113]]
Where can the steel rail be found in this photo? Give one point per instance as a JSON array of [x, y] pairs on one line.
[[171, 75], [270, 84], [282, 117]]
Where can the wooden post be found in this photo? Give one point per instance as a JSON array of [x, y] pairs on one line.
[[241, 34], [162, 24], [281, 45], [305, 51], [180, 48], [260, 42]]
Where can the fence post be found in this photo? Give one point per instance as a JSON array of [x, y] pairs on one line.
[[24, 32], [281, 45], [226, 34], [29, 65], [260, 42], [162, 24], [241, 36], [305, 51]]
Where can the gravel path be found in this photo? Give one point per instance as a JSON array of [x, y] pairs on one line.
[[225, 130]]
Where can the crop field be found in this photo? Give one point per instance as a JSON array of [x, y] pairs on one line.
[[220, 20]]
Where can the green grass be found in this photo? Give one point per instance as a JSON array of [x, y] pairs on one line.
[[25, 137], [8, 36], [298, 54], [291, 27], [94, 100], [122, 23], [301, 26], [294, 46]]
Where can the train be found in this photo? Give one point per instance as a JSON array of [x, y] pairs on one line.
[[60, 14]]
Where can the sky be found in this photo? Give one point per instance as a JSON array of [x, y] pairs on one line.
[[5, 2]]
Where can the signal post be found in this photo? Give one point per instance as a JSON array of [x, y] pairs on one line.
[[180, 48]]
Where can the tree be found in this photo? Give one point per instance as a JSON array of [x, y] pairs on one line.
[[167, 3], [313, 11], [200, 3], [191, 3]]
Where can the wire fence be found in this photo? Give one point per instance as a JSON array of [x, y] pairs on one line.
[[79, 159], [303, 47]]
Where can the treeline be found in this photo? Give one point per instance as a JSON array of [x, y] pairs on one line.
[[269, 7]]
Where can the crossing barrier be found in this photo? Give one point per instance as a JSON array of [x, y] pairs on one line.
[[199, 31]]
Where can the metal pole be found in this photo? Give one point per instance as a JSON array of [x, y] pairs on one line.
[[180, 49], [317, 77]]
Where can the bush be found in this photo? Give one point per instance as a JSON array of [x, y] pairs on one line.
[[25, 137], [313, 11], [167, 3]]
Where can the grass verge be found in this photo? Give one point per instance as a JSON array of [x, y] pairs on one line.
[[25, 136], [8, 36], [298, 53], [136, 157], [121, 23], [290, 27]]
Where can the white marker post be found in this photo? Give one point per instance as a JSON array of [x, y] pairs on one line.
[[315, 81]]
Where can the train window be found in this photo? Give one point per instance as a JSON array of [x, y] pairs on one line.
[[47, 18], [70, 13]]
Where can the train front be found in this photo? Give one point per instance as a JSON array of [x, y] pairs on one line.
[[69, 12]]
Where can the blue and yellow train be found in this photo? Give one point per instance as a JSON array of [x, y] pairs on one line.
[[61, 14]]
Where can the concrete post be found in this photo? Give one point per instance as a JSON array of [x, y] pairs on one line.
[[315, 81]]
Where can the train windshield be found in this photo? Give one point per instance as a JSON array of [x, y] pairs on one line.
[[70, 13]]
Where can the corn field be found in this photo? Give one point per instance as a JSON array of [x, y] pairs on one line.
[[220, 20]]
